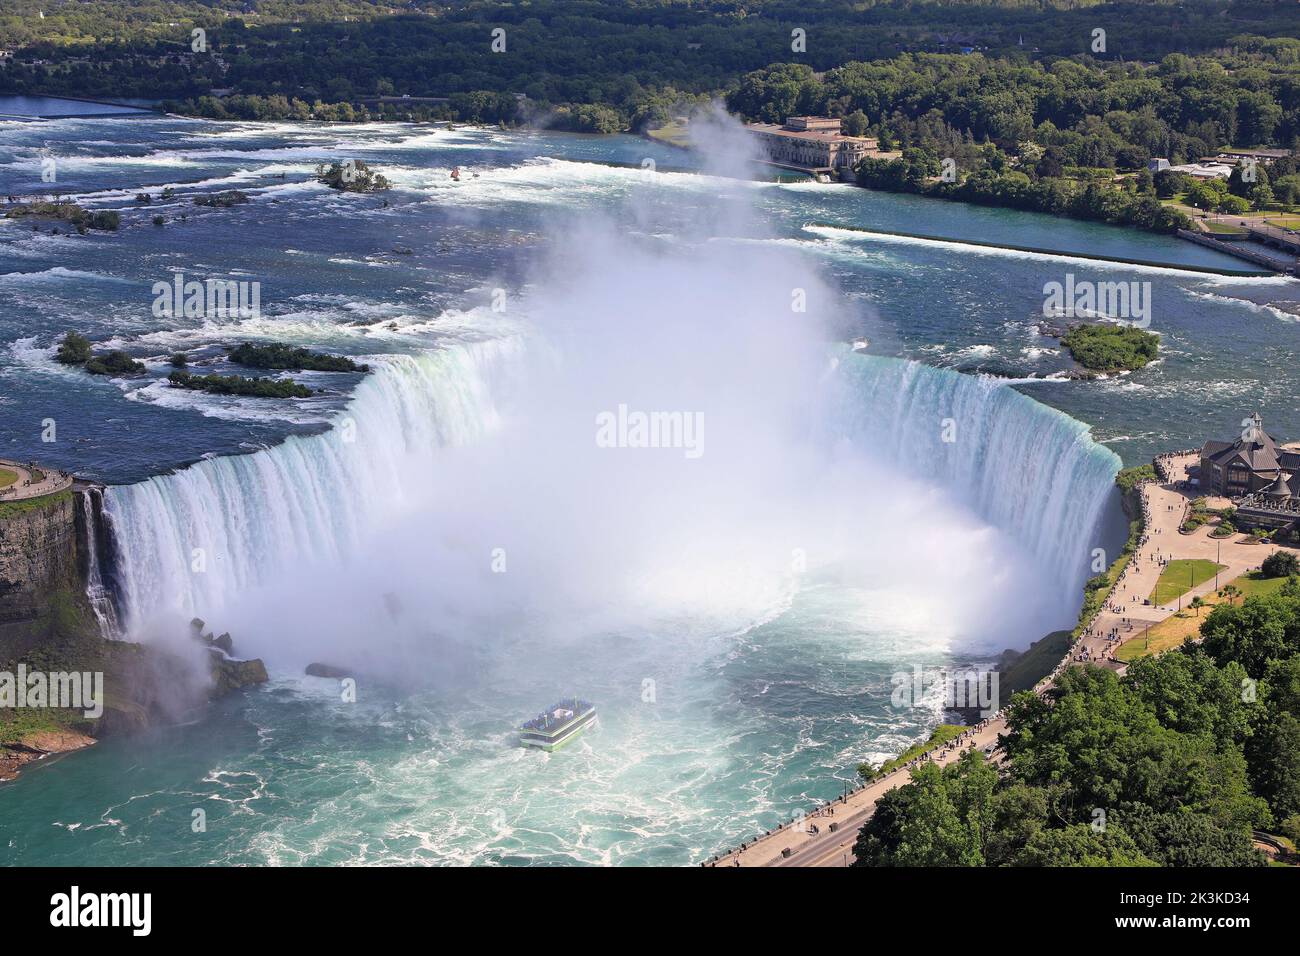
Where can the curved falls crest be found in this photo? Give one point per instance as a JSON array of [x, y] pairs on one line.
[[192, 540]]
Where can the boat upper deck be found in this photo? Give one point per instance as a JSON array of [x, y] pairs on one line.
[[558, 716]]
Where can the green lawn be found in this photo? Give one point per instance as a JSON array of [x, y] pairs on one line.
[[1172, 631], [11, 509], [7, 477], [673, 134], [1222, 229], [1181, 576]]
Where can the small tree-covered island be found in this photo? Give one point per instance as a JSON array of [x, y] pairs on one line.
[[1111, 348]]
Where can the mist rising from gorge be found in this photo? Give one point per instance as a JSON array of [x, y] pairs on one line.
[[477, 501]]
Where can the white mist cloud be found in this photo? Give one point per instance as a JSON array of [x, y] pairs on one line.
[[537, 528]]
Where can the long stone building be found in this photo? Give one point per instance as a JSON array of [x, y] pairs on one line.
[[812, 143]]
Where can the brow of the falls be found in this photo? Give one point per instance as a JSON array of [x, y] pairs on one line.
[[1030, 470]]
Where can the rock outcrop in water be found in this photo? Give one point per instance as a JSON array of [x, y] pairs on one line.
[[37, 746], [228, 673], [317, 669], [229, 676]]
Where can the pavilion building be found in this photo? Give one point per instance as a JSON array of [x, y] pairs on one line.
[[1248, 465], [1259, 474]]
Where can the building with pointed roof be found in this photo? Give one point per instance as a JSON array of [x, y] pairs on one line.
[[1250, 464], [1261, 475]]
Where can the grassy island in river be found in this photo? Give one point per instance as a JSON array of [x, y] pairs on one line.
[[1111, 348]]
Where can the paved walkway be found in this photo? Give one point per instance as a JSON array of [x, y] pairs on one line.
[[835, 847], [1165, 507], [32, 482]]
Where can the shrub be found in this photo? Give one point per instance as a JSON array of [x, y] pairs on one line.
[[1111, 348], [239, 385], [277, 355], [115, 362], [104, 219], [74, 349], [355, 177], [1280, 564], [223, 200], [1130, 478], [69, 212]]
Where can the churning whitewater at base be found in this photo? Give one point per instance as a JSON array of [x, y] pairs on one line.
[[471, 542]]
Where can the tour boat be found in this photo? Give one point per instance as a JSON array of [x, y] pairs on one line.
[[558, 724]]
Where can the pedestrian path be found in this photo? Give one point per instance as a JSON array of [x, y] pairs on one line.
[[1165, 504], [31, 481]]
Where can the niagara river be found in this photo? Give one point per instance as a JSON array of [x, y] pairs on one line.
[[895, 470]]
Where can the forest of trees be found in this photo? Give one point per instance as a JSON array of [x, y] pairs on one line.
[[1032, 113], [1083, 113], [640, 58], [1051, 136], [1172, 764]]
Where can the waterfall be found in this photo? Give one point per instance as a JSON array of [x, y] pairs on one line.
[[191, 540], [97, 545], [1029, 469]]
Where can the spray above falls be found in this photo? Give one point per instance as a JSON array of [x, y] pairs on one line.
[[476, 490]]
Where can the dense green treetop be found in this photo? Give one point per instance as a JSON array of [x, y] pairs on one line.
[[1173, 764]]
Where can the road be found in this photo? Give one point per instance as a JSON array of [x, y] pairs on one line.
[[828, 847]]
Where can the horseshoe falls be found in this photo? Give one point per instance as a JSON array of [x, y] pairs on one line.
[[719, 751], [192, 541], [449, 529]]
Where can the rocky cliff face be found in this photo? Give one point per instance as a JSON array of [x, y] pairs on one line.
[[38, 554]]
